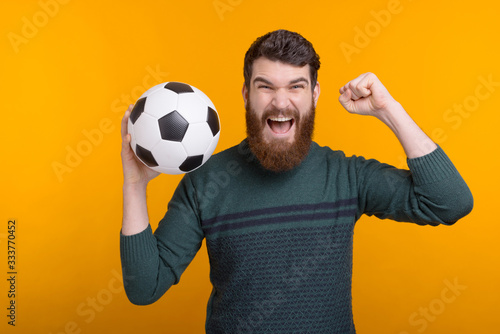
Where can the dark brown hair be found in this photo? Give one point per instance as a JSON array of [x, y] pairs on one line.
[[284, 46]]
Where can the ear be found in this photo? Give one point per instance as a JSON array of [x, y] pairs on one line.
[[316, 92], [244, 92]]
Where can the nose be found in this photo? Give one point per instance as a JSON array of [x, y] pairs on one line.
[[281, 100]]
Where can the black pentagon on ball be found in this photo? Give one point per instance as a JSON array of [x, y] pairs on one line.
[[173, 126], [146, 156], [213, 121], [138, 109], [191, 163], [179, 87]]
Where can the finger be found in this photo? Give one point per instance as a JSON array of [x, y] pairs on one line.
[[354, 96], [345, 99], [375, 85], [366, 83], [349, 85], [126, 137], [126, 148], [124, 124], [359, 88]]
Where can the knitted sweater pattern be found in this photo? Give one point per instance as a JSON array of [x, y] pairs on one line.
[[280, 244]]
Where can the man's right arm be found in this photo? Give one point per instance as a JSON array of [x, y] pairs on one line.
[[152, 263], [139, 254], [136, 177]]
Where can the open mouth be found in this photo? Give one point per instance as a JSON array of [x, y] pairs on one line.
[[280, 125]]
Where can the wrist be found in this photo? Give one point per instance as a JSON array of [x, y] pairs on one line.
[[414, 141], [135, 213], [134, 187], [393, 115]]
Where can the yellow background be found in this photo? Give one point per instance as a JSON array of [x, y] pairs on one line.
[[73, 70]]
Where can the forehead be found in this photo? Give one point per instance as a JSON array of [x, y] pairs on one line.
[[278, 72]]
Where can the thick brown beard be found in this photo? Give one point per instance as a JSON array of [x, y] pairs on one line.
[[279, 155]]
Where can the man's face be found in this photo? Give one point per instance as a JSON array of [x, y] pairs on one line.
[[280, 113]]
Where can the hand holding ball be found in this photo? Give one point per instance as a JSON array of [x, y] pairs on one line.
[[174, 128]]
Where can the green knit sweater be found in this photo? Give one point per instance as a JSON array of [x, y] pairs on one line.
[[280, 244]]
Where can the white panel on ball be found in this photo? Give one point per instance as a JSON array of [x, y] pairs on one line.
[[146, 131], [210, 150], [169, 154], [171, 171], [192, 108], [197, 139], [152, 89], [204, 97], [160, 103]]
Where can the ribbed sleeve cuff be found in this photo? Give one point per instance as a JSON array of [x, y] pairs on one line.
[[431, 167], [138, 247]]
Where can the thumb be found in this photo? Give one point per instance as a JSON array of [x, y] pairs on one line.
[[126, 141]]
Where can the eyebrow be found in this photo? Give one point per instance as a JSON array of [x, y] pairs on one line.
[[294, 81], [301, 79]]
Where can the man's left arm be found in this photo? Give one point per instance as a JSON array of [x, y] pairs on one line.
[[435, 183], [366, 95]]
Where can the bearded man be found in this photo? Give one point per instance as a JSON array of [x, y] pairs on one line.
[[278, 210]]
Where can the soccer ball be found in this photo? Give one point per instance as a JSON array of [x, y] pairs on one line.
[[174, 128]]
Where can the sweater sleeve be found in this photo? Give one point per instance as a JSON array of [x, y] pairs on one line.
[[431, 192], [153, 262]]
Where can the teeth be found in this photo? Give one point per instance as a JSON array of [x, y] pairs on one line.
[[280, 119]]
